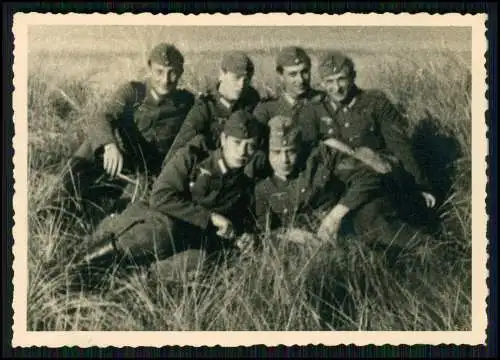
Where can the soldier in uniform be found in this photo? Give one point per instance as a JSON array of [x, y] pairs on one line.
[[364, 120], [320, 181], [293, 67], [231, 93], [198, 201], [133, 132], [305, 181]]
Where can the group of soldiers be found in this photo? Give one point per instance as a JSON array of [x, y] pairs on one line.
[[228, 163]]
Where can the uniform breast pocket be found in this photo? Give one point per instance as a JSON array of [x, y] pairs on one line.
[[279, 202], [328, 128], [204, 189], [144, 118], [166, 128], [369, 135], [322, 177]]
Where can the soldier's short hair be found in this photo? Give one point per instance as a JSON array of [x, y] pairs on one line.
[[291, 56], [166, 54], [237, 62], [242, 124], [333, 62]]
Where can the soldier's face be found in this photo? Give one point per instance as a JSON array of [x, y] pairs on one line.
[[164, 79], [231, 85], [339, 85], [283, 160], [296, 79], [237, 152]]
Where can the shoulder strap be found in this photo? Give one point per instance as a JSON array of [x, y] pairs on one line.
[[140, 92], [200, 153], [207, 99]]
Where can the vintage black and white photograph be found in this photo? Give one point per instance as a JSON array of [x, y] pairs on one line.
[[316, 174]]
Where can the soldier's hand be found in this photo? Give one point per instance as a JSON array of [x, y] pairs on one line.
[[430, 200], [113, 159], [224, 226], [330, 225], [329, 229]]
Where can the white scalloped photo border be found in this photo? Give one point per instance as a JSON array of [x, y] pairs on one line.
[[477, 336]]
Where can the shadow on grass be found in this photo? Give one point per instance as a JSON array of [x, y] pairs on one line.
[[435, 153]]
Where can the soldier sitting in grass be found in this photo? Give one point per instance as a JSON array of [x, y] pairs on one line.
[[199, 201], [366, 123], [132, 134], [232, 92], [321, 182], [293, 67]]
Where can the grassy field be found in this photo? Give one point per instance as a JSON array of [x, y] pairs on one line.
[[284, 287]]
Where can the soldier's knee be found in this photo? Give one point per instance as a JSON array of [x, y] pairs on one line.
[[372, 209], [143, 233], [85, 151], [371, 215]]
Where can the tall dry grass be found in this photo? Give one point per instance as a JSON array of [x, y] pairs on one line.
[[282, 287]]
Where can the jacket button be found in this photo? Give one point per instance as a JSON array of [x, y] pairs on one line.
[[330, 131], [302, 190], [346, 124], [285, 210]]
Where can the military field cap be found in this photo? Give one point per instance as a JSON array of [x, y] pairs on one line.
[[291, 56], [333, 63], [238, 63], [166, 54], [283, 132], [242, 124]]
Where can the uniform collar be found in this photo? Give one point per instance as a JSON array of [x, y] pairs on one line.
[[289, 99], [220, 164], [307, 95], [153, 97], [224, 102], [221, 100], [299, 168], [348, 103]]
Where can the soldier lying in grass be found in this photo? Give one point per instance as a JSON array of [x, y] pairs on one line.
[[322, 181], [365, 120], [132, 134], [200, 200]]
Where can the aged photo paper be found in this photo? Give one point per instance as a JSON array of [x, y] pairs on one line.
[[83, 38]]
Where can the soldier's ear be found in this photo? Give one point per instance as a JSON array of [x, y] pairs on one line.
[[280, 75], [222, 138], [222, 75]]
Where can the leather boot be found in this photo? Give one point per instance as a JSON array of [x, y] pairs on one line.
[[103, 253], [92, 266]]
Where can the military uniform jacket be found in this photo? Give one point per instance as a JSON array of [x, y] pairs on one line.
[[269, 108], [196, 183], [208, 115], [141, 123], [369, 119], [321, 183]]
